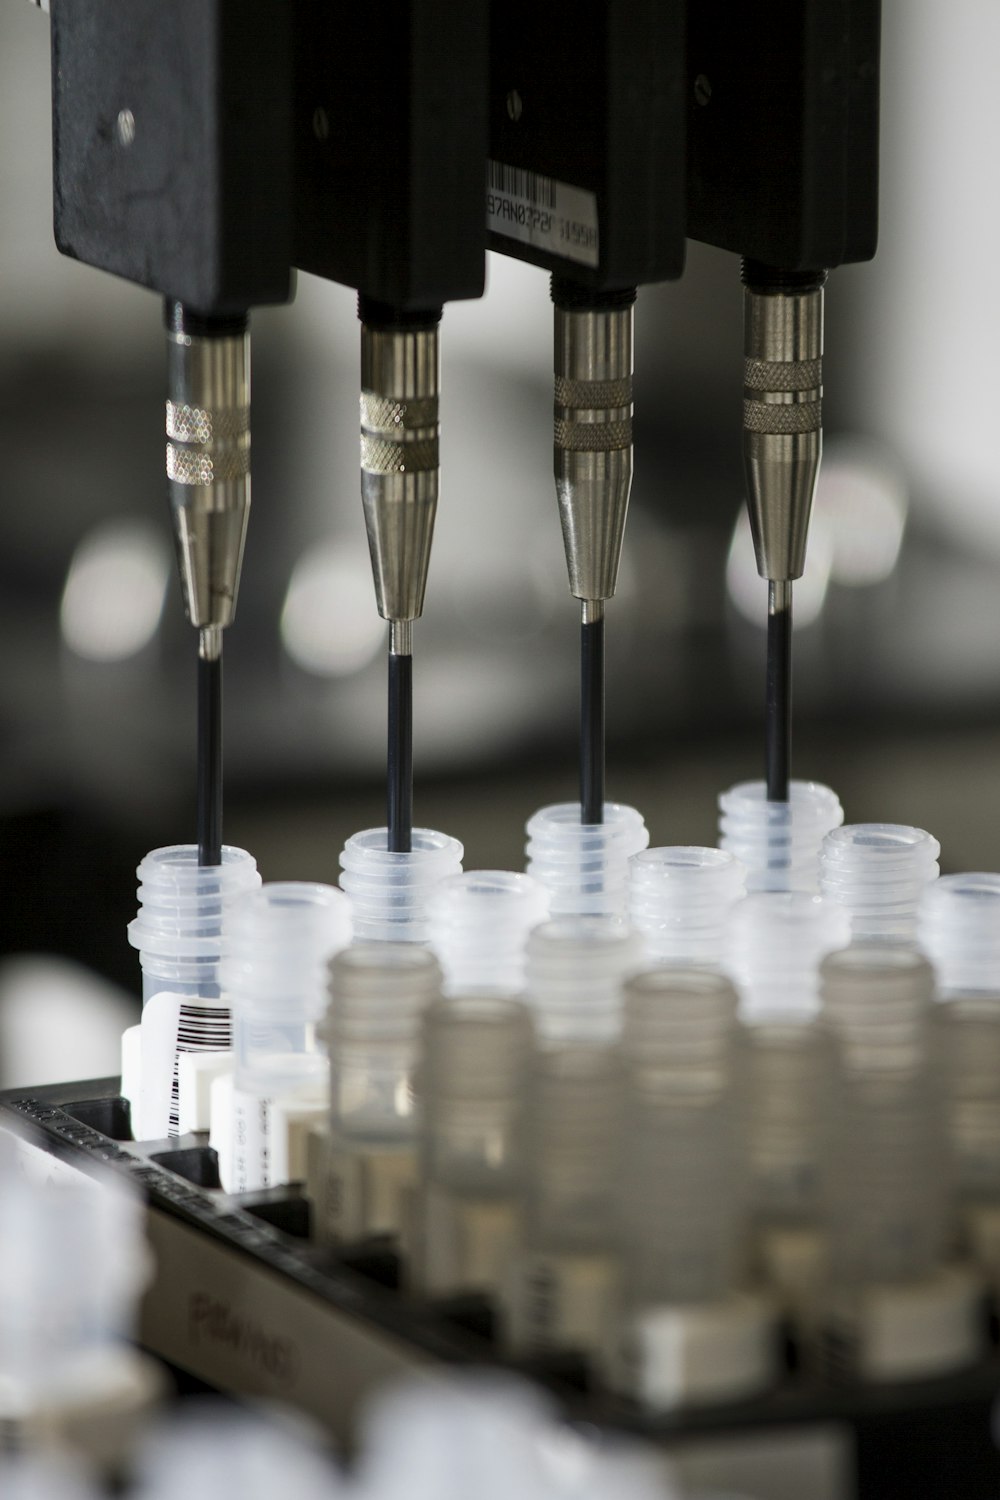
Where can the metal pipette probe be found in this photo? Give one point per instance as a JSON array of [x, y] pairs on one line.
[[782, 445], [592, 460], [400, 385], [208, 473]]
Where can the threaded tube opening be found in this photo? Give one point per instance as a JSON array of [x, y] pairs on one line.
[[575, 971], [281, 938], [778, 842], [775, 943], [878, 872], [959, 929], [389, 891], [584, 866], [680, 899], [181, 902], [479, 925]]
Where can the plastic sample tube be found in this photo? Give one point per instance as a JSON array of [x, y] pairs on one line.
[[693, 1335], [575, 972], [897, 1309], [281, 939], [181, 933], [479, 924], [680, 900], [778, 842], [389, 891], [584, 866], [564, 1290], [378, 993], [878, 872], [776, 942], [959, 930], [475, 1053], [73, 1264]]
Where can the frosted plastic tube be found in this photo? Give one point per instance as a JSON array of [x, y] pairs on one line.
[[179, 929], [890, 1184], [576, 969], [878, 873], [774, 945], [574, 1111], [378, 995], [778, 842], [959, 930], [680, 900], [479, 925], [681, 1179], [474, 1060], [389, 892], [584, 866], [281, 940]]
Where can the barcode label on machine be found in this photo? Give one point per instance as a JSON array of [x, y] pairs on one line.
[[539, 211]]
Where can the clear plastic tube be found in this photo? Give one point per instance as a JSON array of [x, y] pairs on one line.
[[378, 995], [778, 842], [584, 866], [388, 891], [959, 930], [774, 945], [680, 899], [576, 969], [889, 1192], [73, 1262], [681, 1188], [479, 925], [574, 1109], [879, 872], [281, 940], [475, 1055], [179, 927]]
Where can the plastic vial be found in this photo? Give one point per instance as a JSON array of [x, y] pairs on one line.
[[896, 1305], [878, 873], [281, 939], [378, 995], [180, 932], [564, 1291], [694, 1336], [474, 1058], [73, 1264], [576, 970], [778, 842], [388, 891], [776, 942], [680, 900], [479, 925], [584, 866], [959, 929]]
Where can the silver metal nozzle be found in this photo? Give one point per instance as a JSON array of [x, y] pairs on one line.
[[782, 421], [208, 469], [592, 452], [399, 462]]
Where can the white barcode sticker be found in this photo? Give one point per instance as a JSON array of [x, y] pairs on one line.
[[540, 211]]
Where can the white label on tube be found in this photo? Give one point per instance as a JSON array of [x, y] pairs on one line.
[[539, 211], [251, 1142], [158, 1050]]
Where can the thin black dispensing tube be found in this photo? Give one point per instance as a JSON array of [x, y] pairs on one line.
[[592, 721], [400, 753], [778, 725], [209, 759]]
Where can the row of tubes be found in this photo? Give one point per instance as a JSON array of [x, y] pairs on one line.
[[655, 1103]]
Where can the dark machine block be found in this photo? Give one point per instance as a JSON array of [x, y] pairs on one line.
[[172, 145], [390, 147], [587, 117], [783, 129]]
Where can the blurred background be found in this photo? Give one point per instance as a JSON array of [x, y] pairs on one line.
[[898, 639]]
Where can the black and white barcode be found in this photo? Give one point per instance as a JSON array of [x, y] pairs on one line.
[[200, 1028], [521, 184]]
